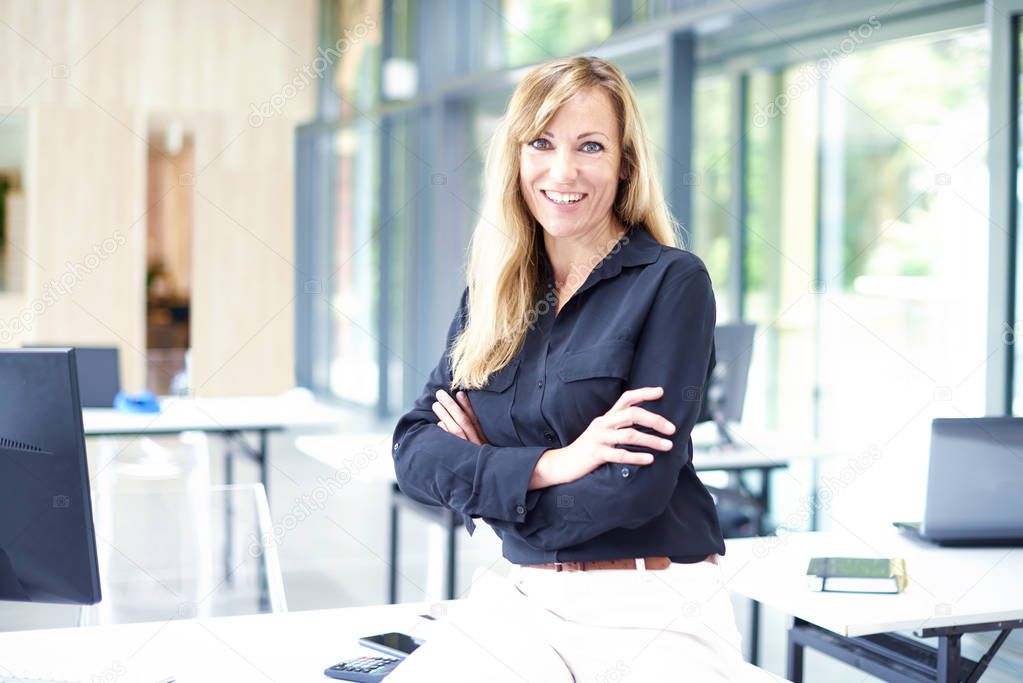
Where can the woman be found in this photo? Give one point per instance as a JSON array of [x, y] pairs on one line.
[[562, 408]]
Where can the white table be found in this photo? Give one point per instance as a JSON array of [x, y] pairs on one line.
[[231, 418], [951, 591], [288, 648]]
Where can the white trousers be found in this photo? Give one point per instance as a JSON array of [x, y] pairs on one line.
[[600, 626]]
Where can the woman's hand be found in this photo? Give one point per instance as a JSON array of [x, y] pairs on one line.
[[599, 443], [458, 417]]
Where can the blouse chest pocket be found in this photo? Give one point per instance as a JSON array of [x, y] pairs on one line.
[[493, 403], [594, 378], [608, 359]]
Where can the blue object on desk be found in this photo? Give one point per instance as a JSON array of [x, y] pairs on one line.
[[141, 402]]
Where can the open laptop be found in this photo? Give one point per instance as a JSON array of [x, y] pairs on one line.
[[973, 483]]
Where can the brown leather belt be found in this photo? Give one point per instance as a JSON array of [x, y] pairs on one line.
[[628, 563]]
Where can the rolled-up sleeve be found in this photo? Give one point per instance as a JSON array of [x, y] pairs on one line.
[[675, 350], [438, 468]]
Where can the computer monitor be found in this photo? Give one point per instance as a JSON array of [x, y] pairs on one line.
[[47, 541], [99, 373], [725, 393]]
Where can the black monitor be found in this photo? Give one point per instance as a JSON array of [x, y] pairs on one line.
[[725, 393], [99, 373], [47, 541]]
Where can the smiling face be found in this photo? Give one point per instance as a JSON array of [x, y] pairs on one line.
[[569, 174]]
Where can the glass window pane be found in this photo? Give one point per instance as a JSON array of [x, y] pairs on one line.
[[484, 113], [1017, 332], [710, 184], [780, 228], [356, 35], [354, 284], [904, 251], [650, 98], [536, 30], [868, 302], [399, 222]]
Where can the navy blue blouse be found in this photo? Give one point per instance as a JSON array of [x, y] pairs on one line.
[[644, 317]]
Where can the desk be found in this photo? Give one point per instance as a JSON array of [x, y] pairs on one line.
[[294, 647], [951, 591], [231, 418]]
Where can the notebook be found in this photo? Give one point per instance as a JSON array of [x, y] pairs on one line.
[[856, 575]]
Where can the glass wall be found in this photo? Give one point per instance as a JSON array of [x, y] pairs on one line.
[[867, 255], [904, 250], [354, 284], [1016, 333], [711, 186], [781, 248], [535, 30], [863, 249], [355, 33]]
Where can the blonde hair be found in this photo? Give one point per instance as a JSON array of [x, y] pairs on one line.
[[503, 272]]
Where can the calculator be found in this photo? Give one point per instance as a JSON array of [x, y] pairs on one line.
[[363, 669]]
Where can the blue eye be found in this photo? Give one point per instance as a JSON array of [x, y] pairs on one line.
[[540, 143], [592, 147]]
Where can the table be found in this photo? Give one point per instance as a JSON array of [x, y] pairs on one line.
[[294, 647], [231, 418], [280, 648], [951, 591]]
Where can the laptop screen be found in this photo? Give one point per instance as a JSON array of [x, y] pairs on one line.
[[974, 479]]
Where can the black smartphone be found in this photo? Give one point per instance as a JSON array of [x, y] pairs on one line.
[[394, 644]]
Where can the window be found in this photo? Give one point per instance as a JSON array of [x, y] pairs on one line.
[[1017, 332], [355, 34], [354, 283], [867, 255], [537, 30], [904, 251], [710, 184], [781, 177]]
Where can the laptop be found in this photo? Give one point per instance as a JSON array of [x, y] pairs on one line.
[[973, 483]]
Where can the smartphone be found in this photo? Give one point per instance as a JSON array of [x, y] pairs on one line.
[[394, 644]]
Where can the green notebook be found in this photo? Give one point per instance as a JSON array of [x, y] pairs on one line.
[[856, 575]]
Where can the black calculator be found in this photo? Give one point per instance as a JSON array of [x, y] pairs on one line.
[[363, 669]]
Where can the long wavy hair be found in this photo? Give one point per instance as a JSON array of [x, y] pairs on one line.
[[504, 272]]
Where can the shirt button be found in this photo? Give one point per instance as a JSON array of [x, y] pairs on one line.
[[539, 384], [625, 472], [519, 509], [548, 436]]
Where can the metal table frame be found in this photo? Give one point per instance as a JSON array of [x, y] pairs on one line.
[[897, 658]]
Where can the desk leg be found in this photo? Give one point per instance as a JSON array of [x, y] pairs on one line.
[[392, 582], [949, 658], [754, 633], [794, 665], [764, 500], [263, 456], [228, 511], [814, 496], [452, 524]]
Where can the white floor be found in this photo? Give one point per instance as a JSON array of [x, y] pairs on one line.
[[334, 554]]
